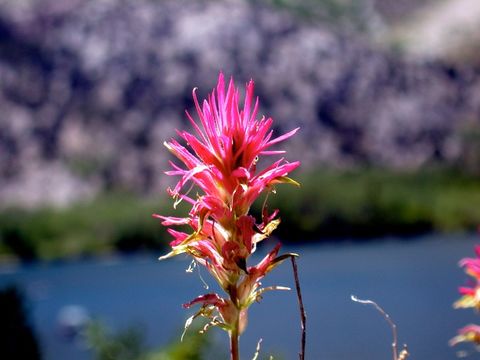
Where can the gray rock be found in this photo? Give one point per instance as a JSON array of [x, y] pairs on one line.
[[89, 91]]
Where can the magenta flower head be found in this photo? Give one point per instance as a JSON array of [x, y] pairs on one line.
[[220, 160], [470, 299], [469, 333], [470, 295]]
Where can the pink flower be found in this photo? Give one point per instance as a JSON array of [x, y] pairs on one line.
[[469, 333], [470, 299], [222, 156], [472, 265], [470, 295], [219, 159]]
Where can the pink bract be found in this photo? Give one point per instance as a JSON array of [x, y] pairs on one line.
[[469, 333], [219, 164]]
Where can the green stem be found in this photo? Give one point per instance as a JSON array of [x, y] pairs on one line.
[[234, 332]]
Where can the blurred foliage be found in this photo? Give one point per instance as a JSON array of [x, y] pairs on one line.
[[125, 345], [111, 222], [372, 203], [128, 344], [193, 347], [17, 338], [330, 204]]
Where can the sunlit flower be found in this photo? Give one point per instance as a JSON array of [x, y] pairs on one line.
[[219, 160], [470, 298], [472, 265], [469, 333], [470, 295], [224, 152]]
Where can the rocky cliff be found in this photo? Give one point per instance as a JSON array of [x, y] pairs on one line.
[[89, 90]]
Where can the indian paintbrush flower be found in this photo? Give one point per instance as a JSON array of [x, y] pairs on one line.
[[220, 159], [469, 333], [470, 299], [470, 295]]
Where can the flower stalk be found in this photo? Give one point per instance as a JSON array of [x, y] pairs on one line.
[[303, 316], [219, 160], [234, 344]]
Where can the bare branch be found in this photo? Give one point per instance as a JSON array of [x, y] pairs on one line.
[[390, 322], [303, 316], [257, 350]]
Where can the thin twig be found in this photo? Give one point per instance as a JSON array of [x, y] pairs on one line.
[[257, 350], [387, 318], [303, 316]]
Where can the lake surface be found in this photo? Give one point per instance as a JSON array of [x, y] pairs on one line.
[[415, 281]]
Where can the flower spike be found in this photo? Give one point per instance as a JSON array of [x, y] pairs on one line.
[[219, 159]]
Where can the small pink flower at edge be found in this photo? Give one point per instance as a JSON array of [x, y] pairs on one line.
[[469, 333]]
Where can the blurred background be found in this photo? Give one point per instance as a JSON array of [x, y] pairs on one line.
[[387, 97]]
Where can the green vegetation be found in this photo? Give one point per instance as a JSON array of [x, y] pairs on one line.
[[129, 344], [372, 203], [330, 204], [111, 222]]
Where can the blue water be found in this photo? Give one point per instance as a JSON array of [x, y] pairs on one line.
[[415, 282]]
